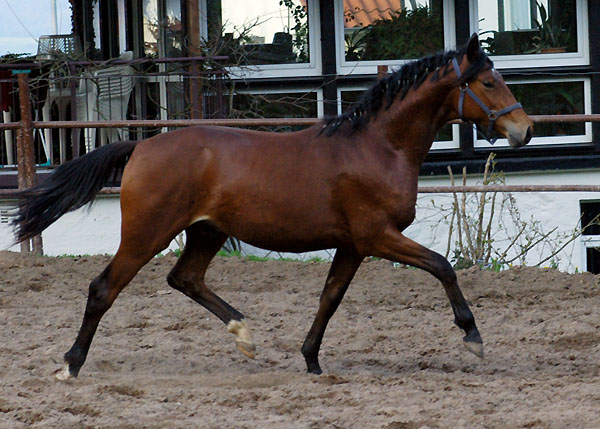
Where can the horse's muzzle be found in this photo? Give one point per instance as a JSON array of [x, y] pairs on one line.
[[518, 139]]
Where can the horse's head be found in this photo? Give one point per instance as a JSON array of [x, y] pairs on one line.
[[484, 98]]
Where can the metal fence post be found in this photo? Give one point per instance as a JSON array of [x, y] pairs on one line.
[[25, 152]]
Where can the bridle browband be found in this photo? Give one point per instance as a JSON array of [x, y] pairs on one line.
[[493, 115]]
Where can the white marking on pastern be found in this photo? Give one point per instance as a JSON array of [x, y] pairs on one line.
[[243, 340], [64, 374]]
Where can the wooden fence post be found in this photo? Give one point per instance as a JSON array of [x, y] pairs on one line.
[[25, 152], [195, 81]]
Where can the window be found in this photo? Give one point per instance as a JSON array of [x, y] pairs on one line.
[[109, 24], [280, 36], [544, 32], [557, 97], [590, 223], [447, 137], [162, 28], [374, 32], [290, 103]]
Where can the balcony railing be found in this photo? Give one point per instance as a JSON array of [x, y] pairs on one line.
[[116, 90]]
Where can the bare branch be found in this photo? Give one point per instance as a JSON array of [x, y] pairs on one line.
[[465, 218], [456, 210]]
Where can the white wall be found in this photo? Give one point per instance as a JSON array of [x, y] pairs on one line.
[[91, 230], [96, 230], [552, 209]]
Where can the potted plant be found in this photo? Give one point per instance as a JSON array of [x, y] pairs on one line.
[[404, 34], [552, 37]]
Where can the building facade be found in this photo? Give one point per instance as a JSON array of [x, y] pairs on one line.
[[313, 58]]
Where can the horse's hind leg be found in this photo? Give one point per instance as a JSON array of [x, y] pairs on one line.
[[203, 241], [394, 246], [344, 266], [103, 291]]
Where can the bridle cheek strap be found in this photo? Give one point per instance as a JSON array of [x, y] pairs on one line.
[[493, 115]]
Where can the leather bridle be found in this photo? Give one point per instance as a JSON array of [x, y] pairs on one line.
[[493, 115]]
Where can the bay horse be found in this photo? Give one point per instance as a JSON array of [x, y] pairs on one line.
[[349, 183]]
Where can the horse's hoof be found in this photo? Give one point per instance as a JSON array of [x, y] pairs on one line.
[[314, 369], [475, 348], [474, 344], [248, 349], [64, 374], [243, 341]]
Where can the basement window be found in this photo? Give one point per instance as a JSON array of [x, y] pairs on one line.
[[590, 222]]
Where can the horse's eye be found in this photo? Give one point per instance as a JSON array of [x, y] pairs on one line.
[[488, 84]]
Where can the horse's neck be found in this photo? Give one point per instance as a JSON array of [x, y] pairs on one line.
[[410, 125]]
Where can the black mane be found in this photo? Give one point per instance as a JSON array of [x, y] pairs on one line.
[[397, 84]]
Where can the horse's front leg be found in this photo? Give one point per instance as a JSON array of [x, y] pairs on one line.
[[344, 266], [394, 246]]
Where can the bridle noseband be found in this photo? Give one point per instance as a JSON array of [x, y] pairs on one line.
[[493, 115]]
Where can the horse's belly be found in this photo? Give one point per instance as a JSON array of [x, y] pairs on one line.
[[280, 244], [284, 232]]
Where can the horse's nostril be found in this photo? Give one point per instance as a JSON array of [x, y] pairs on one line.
[[527, 136]]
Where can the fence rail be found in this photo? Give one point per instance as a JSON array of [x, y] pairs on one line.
[[156, 123], [262, 122], [10, 193], [508, 188]]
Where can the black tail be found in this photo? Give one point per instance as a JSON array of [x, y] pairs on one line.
[[71, 186]]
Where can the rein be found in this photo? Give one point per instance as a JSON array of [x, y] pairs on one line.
[[493, 115]]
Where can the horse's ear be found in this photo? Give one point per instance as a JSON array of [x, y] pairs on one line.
[[473, 47]]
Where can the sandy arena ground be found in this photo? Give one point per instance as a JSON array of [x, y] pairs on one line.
[[391, 356]]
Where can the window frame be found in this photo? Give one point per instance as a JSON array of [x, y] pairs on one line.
[[587, 138], [260, 71], [581, 57], [288, 90], [438, 145], [370, 67]]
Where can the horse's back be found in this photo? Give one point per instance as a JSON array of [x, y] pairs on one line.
[[226, 153]]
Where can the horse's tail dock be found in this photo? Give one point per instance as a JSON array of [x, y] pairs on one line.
[[69, 187]]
